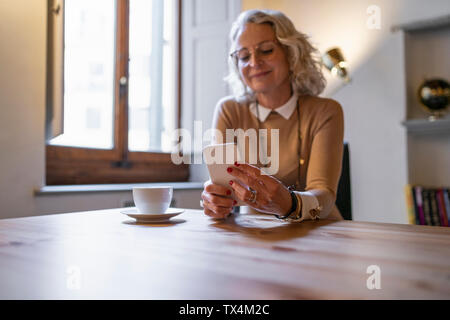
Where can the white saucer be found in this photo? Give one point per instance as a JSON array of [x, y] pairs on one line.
[[152, 217]]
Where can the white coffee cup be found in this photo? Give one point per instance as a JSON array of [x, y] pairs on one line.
[[152, 200]]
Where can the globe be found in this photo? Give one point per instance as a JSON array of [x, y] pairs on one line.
[[434, 95]]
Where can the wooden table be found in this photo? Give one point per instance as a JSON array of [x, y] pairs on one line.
[[106, 255]]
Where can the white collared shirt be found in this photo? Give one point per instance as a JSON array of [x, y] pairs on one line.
[[286, 110]]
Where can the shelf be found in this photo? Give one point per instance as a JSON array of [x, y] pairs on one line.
[[427, 126], [423, 25], [51, 190], [426, 46]]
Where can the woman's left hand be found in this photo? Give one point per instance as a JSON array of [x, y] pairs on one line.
[[271, 195]]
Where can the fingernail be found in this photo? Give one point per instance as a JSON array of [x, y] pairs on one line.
[[236, 164], [229, 170], [231, 182], [228, 192], [234, 202]]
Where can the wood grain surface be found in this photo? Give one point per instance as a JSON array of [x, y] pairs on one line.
[[106, 255]]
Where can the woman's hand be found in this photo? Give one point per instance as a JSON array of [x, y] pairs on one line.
[[271, 195], [216, 200]]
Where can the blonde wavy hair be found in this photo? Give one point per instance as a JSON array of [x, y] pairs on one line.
[[304, 60]]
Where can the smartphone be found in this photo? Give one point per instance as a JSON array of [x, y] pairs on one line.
[[218, 158]]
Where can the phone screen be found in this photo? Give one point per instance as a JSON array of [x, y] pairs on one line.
[[218, 158]]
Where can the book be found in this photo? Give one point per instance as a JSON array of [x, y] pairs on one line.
[[446, 193], [426, 206], [416, 209], [441, 207], [434, 208], [410, 204], [418, 193]]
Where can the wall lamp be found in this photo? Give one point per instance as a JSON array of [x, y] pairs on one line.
[[335, 62]]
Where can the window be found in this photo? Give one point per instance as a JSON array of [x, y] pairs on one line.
[[121, 91]]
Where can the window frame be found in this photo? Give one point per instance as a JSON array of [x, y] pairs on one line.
[[74, 165]]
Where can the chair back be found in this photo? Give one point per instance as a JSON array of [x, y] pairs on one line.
[[343, 196]]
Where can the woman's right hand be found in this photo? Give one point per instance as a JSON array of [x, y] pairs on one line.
[[216, 200]]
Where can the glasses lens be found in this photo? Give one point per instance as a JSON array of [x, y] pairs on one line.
[[243, 54], [264, 50]]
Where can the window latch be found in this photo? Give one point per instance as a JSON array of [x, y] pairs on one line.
[[56, 9], [123, 81], [124, 164]]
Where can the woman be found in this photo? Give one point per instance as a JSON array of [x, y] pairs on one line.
[[276, 78]]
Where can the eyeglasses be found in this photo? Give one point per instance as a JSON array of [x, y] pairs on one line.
[[263, 50]]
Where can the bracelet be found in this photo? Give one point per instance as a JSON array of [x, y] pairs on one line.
[[293, 208]]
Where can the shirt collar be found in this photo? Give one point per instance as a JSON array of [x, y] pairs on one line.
[[285, 110]]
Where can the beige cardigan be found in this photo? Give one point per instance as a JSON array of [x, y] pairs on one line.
[[322, 132]]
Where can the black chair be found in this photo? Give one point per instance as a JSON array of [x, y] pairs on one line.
[[343, 196]]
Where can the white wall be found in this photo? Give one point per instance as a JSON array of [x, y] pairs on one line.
[[374, 103], [22, 104], [374, 108]]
